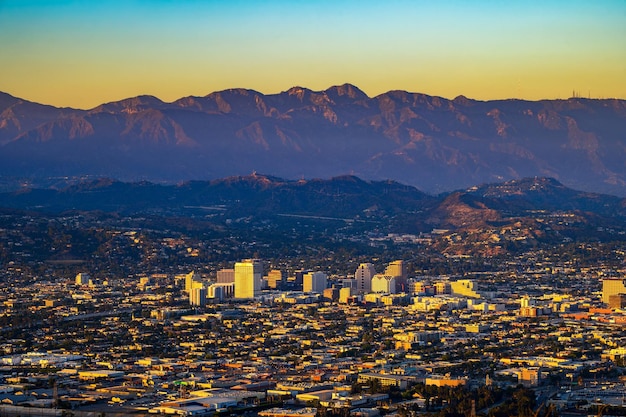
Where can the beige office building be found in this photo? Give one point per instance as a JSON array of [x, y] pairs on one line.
[[248, 278]]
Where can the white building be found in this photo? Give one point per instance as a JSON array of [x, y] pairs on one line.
[[197, 296], [363, 276], [314, 282], [248, 278], [382, 283]]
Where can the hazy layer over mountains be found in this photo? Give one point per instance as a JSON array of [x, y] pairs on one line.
[[431, 143]]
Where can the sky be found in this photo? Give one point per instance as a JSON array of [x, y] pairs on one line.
[[84, 53]]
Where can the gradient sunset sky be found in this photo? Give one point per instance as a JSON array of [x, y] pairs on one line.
[[83, 53]]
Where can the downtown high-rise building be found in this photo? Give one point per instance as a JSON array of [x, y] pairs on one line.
[[82, 279], [363, 276], [192, 280], [383, 283], [314, 282], [398, 269], [248, 278], [225, 276], [197, 296]]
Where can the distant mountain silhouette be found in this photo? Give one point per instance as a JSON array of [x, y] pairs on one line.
[[429, 142], [346, 197], [243, 195]]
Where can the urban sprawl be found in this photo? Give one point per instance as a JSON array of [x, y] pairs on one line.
[[291, 342]]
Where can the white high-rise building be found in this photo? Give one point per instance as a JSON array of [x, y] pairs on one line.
[[363, 276], [314, 282], [383, 283], [197, 296], [248, 278]]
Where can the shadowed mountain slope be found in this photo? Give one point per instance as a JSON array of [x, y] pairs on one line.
[[429, 142]]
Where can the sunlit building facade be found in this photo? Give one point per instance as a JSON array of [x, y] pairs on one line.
[[612, 286], [248, 278]]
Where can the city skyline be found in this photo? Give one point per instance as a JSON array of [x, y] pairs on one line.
[[83, 54]]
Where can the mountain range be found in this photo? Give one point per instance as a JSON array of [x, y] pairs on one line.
[[432, 143]]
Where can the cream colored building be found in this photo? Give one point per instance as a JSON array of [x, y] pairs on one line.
[[384, 284], [197, 296], [248, 278], [396, 269]]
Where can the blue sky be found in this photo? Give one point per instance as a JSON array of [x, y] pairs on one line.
[[83, 53]]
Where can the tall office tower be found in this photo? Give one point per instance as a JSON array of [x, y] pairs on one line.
[[276, 279], [197, 296], [314, 282], [225, 276], [190, 279], [363, 276], [398, 269], [612, 286], [82, 279], [248, 277]]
